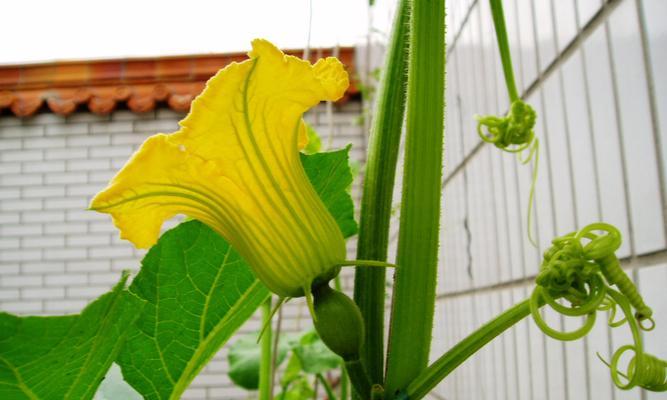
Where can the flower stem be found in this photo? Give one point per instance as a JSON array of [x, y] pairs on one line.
[[327, 387], [414, 284], [266, 359], [359, 378], [385, 138], [436, 372], [504, 47]]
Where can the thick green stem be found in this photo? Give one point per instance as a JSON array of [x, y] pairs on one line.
[[504, 47], [265, 364], [369, 283], [415, 279], [436, 372]]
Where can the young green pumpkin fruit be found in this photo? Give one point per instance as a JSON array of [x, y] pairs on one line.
[[338, 321]]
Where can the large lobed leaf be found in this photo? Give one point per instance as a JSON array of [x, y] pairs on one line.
[[64, 357], [199, 292]]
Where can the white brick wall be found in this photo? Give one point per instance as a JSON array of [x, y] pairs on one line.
[[54, 255]]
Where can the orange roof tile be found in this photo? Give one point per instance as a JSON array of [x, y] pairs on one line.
[[139, 83]]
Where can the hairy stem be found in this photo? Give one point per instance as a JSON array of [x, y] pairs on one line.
[[504, 47], [414, 286], [369, 283]]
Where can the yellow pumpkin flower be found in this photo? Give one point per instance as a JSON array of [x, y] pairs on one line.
[[234, 165]]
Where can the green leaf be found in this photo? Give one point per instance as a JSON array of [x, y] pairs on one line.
[[64, 357], [199, 292], [330, 175], [314, 142], [292, 371], [315, 356], [244, 358], [298, 390]]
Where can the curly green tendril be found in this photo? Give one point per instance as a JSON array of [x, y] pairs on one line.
[[514, 133], [580, 269]]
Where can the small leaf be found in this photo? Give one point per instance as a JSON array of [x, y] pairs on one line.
[[244, 359], [314, 142], [299, 389], [64, 357], [292, 371], [331, 177], [315, 356]]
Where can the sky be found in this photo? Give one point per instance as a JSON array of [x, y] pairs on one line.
[[34, 31]]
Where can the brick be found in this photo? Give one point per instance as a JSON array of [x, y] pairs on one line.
[[20, 230], [65, 306], [44, 166], [101, 176], [20, 205], [69, 227], [87, 190], [85, 215], [106, 278], [66, 279], [127, 115], [21, 180], [87, 141], [66, 154], [88, 165], [10, 144], [65, 203], [66, 178], [44, 143], [103, 227], [44, 267], [43, 216], [21, 255], [111, 127], [43, 191], [66, 129], [88, 266], [128, 138], [64, 254], [9, 218], [9, 294], [9, 269], [22, 155], [22, 281], [118, 163], [21, 131], [111, 151], [8, 243], [111, 252], [43, 293], [156, 126], [122, 264], [43, 242], [166, 113], [9, 193], [195, 394], [10, 120], [22, 307], [89, 292], [44, 119], [88, 240], [10, 168]]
